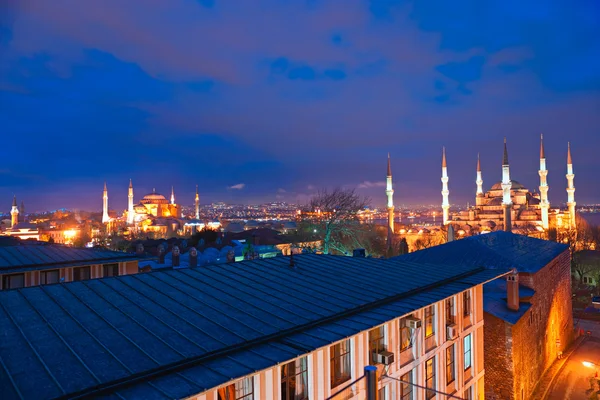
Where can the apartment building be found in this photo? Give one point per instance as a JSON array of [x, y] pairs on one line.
[[301, 327], [42, 264]]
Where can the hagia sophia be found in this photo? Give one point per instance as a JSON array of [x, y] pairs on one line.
[[507, 205]]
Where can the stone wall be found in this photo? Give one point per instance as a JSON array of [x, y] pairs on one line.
[[498, 359]]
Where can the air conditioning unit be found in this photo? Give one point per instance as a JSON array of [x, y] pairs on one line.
[[452, 332], [414, 323], [385, 357]]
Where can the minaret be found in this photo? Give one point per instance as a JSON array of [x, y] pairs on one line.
[[445, 191], [570, 188], [479, 180], [14, 213], [544, 204], [172, 195], [389, 191], [22, 211], [506, 186], [130, 204], [105, 217], [197, 203]]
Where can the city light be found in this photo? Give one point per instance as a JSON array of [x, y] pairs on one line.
[[588, 364]]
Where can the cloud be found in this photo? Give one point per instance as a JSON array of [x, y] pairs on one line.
[[281, 190], [238, 186], [369, 184], [311, 187]]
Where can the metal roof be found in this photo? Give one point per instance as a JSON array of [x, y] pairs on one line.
[[496, 249], [172, 334], [42, 256]]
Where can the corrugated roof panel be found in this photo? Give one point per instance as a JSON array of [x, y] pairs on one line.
[[115, 342]]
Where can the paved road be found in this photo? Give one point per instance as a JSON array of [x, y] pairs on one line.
[[573, 383], [592, 326]]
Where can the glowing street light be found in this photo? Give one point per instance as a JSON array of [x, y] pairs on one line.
[[588, 364]]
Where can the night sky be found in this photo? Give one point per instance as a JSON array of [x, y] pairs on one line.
[[265, 100]]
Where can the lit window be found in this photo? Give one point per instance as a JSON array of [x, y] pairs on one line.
[[14, 281], [430, 378], [340, 363], [48, 277], [294, 380], [450, 374], [429, 320], [406, 338], [450, 311], [81, 273], [241, 390], [467, 303], [406, 388], [467, 347], [376, 343]]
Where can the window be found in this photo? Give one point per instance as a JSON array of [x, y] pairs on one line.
[[241, 390], [111, 270], [429, 317], [450, 374], [376, 343], [406, 388], [467, 303], [14, 281], [48, 277], [430, 378], [468, 393], [294, 380], [450, 311], [381, 393], [467, 347], [81, 273], [339, 364], [406, 339]]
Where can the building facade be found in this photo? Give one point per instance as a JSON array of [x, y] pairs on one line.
[[36, 264], [528, 319]]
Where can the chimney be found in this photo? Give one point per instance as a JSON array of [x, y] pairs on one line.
[[193, 257], [359, 253], [512, 290], [139, 249], [176, 255], [292, 264], [161, 255]]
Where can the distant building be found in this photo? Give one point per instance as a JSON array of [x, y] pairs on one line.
[[19, 227], [41, 264], [528, 317], [280, 328]]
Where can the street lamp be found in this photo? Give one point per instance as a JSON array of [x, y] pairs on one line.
[[588, 364]]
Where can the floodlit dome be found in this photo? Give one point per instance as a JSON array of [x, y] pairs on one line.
[[154, 198], [515, 186]]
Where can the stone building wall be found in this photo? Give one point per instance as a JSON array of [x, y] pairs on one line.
[[498, 359], [521, 353]]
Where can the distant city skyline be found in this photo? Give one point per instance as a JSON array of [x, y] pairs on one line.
[[254, 109]]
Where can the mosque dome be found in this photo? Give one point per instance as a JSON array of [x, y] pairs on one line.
[[154, 198], [515, 186]]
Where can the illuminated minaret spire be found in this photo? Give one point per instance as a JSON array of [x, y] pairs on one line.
[[130, 204], [14, 213], [570, 188], [506, 186], [389, 191], [445, 191], [172, 195], [544, 204], [479, 180], [197, 203], [105, 217]]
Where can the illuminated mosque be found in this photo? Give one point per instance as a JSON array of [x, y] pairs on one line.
[[507, 205]]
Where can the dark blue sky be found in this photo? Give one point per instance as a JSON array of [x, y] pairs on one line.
[[257, 100]]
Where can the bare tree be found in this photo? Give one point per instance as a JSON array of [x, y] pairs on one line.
[[336, 212]]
